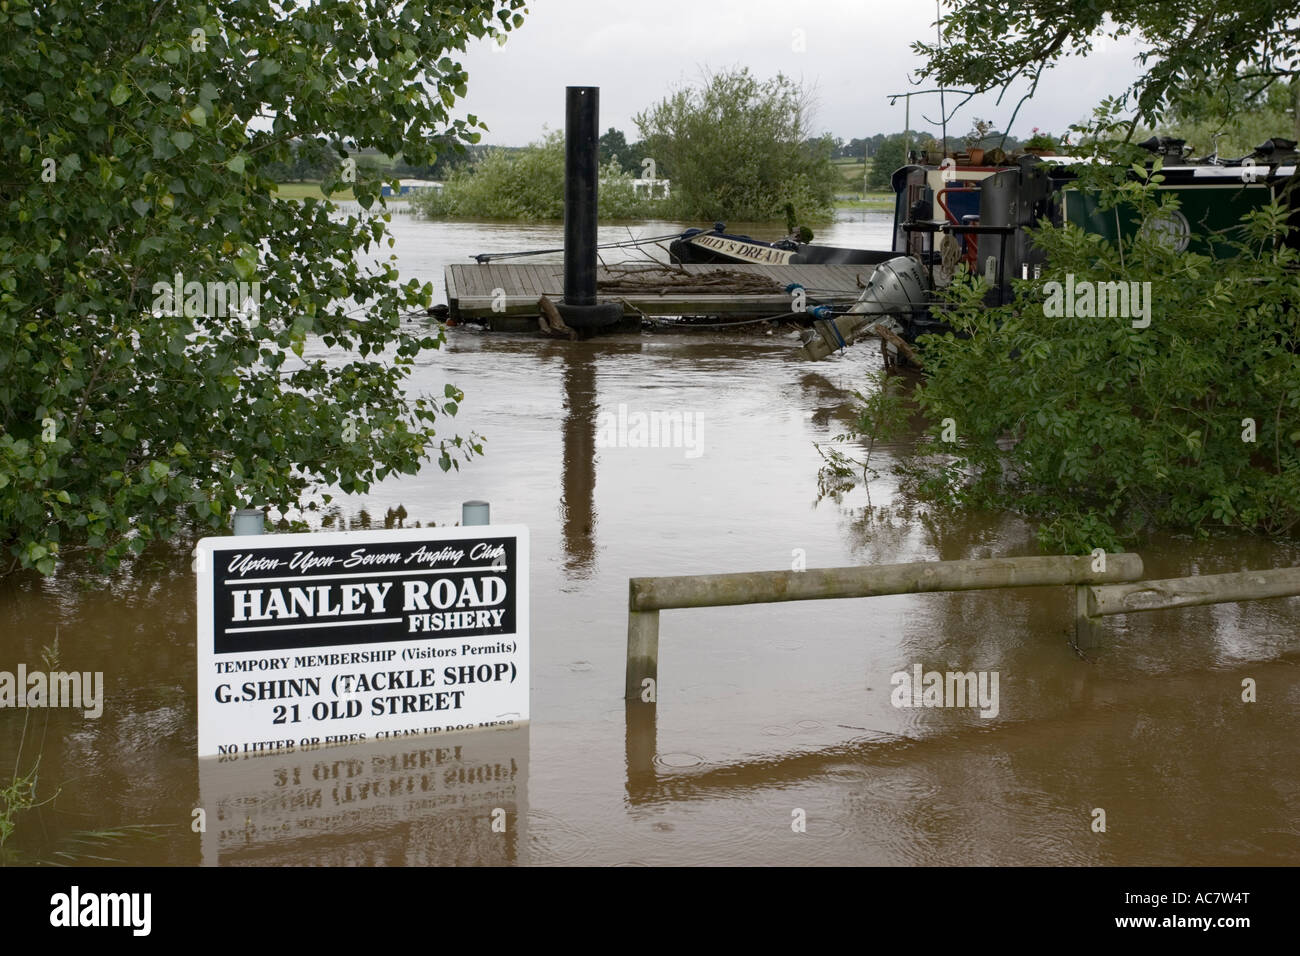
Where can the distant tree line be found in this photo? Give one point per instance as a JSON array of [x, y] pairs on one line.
[[318, 159], [527, 184], [869, 146]]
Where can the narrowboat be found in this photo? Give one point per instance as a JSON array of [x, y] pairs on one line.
[[984, 217]]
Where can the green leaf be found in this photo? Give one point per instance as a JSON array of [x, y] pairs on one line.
[[158, 183]]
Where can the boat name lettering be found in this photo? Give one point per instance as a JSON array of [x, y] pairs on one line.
[[744, 250]]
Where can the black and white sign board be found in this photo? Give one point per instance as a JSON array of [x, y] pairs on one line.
[[308, 639]]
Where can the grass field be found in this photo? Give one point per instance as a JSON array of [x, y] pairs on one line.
[[309, 191], [852, 172], [878, 201]]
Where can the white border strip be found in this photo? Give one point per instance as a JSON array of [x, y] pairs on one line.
[[364, 574], [296, 627]]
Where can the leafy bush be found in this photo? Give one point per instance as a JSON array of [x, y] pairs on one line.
[[528, 185], [131, 152], [737, 148], [1101, 429]]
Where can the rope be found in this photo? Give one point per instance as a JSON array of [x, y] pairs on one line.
[[949, 252], [484, 257], [717, 325], [838, 338], [769, 318]]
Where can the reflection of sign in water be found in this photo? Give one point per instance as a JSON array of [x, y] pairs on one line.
[[1170, 228], [319, 638], [449, 799]]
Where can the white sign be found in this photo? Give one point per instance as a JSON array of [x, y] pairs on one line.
[[308, 639]]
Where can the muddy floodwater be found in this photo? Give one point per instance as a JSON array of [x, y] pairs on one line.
[[774, 739]]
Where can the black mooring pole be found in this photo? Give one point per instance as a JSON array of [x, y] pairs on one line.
[[581, 168]]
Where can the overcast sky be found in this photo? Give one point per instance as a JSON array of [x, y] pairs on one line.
[[854, 54]]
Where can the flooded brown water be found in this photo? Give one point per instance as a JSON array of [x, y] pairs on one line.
[[766, 716]]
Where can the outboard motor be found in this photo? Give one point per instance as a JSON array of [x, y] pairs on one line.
[[897, 289]]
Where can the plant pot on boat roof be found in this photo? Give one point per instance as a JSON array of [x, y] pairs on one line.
[[974, 140], [1041, 144]]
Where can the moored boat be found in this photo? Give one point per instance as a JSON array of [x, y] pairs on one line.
[[717, 246], [985, 217]]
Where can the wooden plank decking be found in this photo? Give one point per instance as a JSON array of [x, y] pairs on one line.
[[471, 289]]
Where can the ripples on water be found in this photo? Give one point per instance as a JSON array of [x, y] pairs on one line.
[[763, 711]]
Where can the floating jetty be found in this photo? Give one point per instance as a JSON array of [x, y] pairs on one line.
[[582, 297], [506, 297]]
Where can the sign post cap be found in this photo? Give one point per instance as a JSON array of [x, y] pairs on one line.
[[475, 513]]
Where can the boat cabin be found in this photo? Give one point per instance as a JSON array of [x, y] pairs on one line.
[[984, 216]]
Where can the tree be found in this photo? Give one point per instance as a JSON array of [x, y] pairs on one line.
[[836, 143], [134, 140], [613, 147], [316, 159], [859, 147], [889, 156], [632, 161], [528, 185], [1193, 47], [1182, 412], [311, 159], [734, 147], [1231, 122]]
